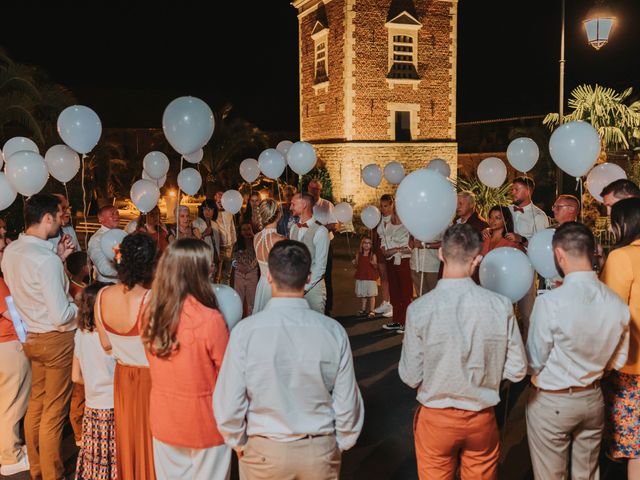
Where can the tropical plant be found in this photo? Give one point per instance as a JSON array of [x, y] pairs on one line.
[[486, 197], [233, 140], [617, 123]]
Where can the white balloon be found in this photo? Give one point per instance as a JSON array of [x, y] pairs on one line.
[[343, 212], [27, 172], [394, 172], [301, 157], [272, 163], [1, 159], [18, 144], [159, 182], [156, 164], [507, 271], [7, 193], [111, 240], [575, 147], [80, 128], [602, 175], [283, 147], [63, 162], [195, 157], [540, 252], [188, 124], [189, 181], [232, 201], [523, 154], [370, 216], [492, 172], [372, 175], [145, 195], [249, 170], [229, 304], [426, 202], [441, 166]]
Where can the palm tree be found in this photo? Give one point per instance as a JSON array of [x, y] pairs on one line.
[[29, 101], [616, 122], [233, 140]]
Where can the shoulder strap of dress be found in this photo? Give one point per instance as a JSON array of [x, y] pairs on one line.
[[141, 308], [99, 302]]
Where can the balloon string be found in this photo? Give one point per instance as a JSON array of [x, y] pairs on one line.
[[84, 204], [581, 200], [279, 196], [66, 191], [178, 204]]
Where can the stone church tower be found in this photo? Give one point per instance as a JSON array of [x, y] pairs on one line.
[[377, 84]]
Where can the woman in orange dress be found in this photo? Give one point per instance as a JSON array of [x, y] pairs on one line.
[[118, 314]]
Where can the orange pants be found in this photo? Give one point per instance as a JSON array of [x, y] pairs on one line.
[[444, 434]]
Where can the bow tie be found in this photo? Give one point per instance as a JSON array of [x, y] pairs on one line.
[[518, 209], [302, 225]]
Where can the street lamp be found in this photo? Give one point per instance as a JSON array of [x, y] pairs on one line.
[[598, 28]]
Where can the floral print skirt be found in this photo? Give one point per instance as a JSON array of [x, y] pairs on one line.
[[622, 396]]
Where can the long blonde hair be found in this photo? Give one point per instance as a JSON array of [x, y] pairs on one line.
[[183, 270]]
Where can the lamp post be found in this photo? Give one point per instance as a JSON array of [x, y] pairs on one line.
[[598, 28]]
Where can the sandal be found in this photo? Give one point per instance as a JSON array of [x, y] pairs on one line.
[[372, 314], [361, 313]]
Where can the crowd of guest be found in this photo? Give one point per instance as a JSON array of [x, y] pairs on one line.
[[136, 354]]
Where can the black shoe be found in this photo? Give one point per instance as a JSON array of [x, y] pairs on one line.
[[391, 326]]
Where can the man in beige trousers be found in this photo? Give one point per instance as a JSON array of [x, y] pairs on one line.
[[286, 398]]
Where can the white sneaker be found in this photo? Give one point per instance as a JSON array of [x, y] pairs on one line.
[[383, 308], [388, 313], [21, 466]]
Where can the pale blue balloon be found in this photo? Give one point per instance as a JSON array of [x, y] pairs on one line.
[[271, 163], [540, 252], [80, 128], [301, 157], [229, 304], [575, 147], [188, 124], [507, 271]]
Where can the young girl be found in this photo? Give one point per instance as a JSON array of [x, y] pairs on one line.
[[94, 368], [245, 266], [366, 277], [185, 338]]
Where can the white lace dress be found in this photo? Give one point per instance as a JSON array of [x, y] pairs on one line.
[[263, 241]]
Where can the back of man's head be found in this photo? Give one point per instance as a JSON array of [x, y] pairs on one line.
[[461, 244], [576, 240], [289, 265], [76, 262], [621, 188], [39, 205]]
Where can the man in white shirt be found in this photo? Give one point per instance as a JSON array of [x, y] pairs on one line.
[[577, 331], [40, 289], [323, 213], [104, 268], [67, 227], [461, 341], [527, 221], [286, 398], [316, 237], [386, 210], [228, 239]]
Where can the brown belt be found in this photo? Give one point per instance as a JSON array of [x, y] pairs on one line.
[[593, 386]]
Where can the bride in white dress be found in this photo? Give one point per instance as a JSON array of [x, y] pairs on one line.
[[269, 215]]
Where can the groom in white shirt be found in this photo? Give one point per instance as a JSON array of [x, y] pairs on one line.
[[578, 331], [286, 398]]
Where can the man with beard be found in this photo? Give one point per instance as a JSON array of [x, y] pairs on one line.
[[577, 331], [66, 230]]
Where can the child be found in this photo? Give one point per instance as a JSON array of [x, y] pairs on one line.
[[78, 270], [94, 368], [245, 264], [366, 277]]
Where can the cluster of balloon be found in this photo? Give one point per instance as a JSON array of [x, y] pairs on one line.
[[232, 201], [426, 202], [492, 172], [575, 147], [507, 271], [372, 175], [540, 252], [440, 166], [343, 212], [602, 175], [300, 156], [523, 154]]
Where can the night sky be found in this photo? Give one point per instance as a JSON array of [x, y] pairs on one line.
[[127, 65]]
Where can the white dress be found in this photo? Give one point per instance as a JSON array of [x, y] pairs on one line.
[[263, 290]]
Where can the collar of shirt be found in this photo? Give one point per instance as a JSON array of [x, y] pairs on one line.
[[25, 237], [287, 302], [455, 282], [580, 277]]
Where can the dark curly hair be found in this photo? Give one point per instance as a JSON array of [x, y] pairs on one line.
[[138, 260]]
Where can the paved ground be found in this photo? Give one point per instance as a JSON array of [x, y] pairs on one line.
[[385, 448]]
